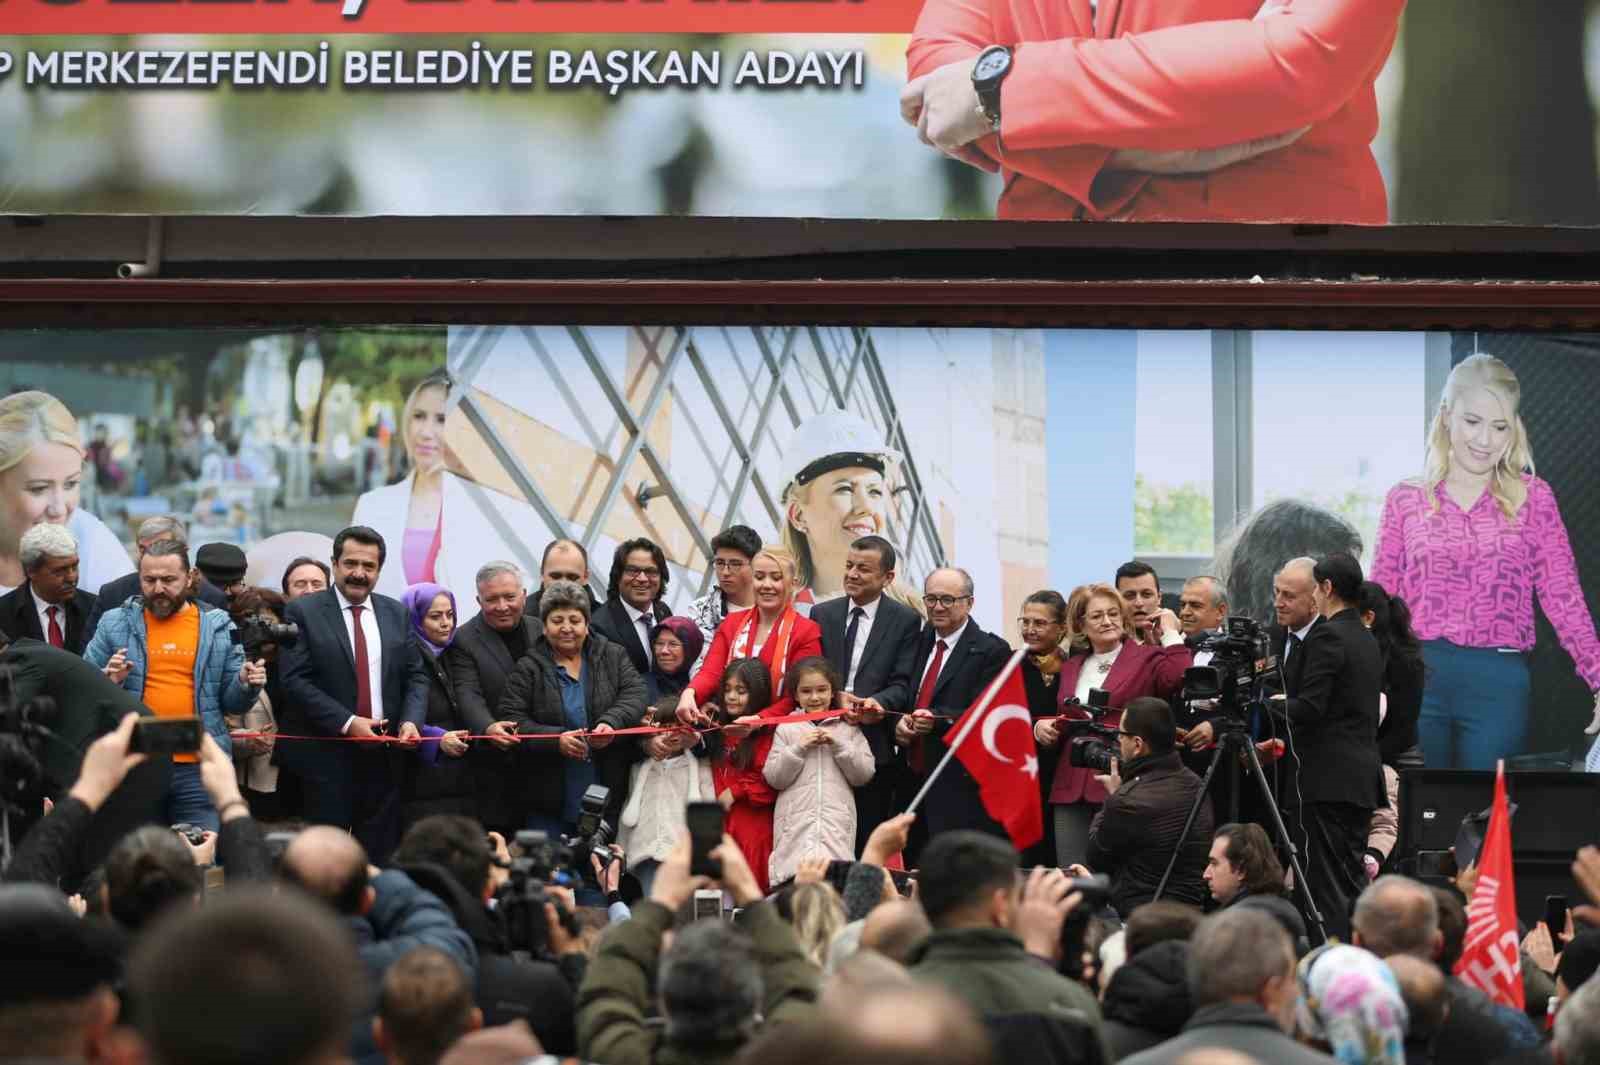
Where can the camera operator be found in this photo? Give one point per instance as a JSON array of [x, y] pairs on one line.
[[1332, 776], [509, 987], [1149, 794], [715, 984]]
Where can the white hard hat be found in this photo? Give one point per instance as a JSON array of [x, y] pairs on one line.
[[833, 440]]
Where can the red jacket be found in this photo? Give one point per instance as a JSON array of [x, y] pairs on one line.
[[1140, 669], [1167, 75], [805, 641]]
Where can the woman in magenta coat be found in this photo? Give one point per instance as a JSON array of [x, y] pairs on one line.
[[1104, 654]]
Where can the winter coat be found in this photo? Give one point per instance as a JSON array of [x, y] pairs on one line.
[[1242, 1027], [816, 811], [1132, 836], [653, 818], [218, 661], [1033, 1013], [1147, 1000], [614, 695]]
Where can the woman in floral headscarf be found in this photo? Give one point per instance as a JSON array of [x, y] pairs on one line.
[[1350, 1006], [438, 780]]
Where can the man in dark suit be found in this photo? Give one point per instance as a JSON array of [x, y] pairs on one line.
[[48, 605], [113, 594], [955, 661], [872, 641], [356, 671], [634, 600], [1331, 770], [480, 658]]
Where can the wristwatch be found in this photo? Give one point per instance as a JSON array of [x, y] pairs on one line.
[[993, 64]]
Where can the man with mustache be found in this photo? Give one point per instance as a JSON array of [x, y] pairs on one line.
[[355, 672], [182, 662], [48, 606]]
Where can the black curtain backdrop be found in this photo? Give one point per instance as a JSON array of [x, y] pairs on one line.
[[1560, 377]]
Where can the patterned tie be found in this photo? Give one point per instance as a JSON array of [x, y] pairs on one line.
[[363, 672], [850, 643], [56, 639], [919, 756]]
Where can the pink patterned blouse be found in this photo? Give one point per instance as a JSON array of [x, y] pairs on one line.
[[1469, 576]]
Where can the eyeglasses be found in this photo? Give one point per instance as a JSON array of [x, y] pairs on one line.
[[945, 601], [728, 565], [1030, 624], [640, 571]]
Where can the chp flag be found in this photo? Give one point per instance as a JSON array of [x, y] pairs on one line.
[[1004, 759], [1491, 959]]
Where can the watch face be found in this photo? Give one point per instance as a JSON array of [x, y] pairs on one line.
[[991, 65]]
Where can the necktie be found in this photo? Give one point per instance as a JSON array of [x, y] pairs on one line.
[[919, 757], [1290, 647], [56, 639], [644, 622], [363, 673], [850, 643]]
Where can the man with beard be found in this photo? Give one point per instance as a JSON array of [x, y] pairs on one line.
[[181, 662], [356, 672]]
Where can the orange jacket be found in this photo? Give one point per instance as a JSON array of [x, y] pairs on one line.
[[1170, 75]]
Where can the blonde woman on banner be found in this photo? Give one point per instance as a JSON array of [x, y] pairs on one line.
[[836, 476], [445, 526], [1466, 546], [41, 478]]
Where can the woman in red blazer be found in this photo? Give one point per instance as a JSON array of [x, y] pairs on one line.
[[771, 631], [1104, 654], [1135, 109]]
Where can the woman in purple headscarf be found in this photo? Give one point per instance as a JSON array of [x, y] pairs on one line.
[[438, 780]]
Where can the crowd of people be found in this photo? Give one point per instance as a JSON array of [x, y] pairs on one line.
[[426, 826]]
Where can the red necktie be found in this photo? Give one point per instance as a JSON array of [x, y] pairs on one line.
[[363, 673], [56, 639], [919, 758]]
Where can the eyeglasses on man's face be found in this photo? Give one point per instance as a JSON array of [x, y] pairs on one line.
[[946, 601], [640, 571], [728, 565]]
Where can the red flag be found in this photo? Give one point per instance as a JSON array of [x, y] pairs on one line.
[[1491, 959], [994, 740]]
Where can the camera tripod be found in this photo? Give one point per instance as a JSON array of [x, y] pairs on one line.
[[1234, 739]]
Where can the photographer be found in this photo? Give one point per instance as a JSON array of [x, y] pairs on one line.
[[1333, 674], [1149, 794], [450, 856], [715, 985]]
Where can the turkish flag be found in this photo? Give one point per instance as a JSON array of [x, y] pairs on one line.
[[1491, 959], [994, 740]]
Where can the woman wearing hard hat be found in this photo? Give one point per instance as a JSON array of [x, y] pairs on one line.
[[836, 490]]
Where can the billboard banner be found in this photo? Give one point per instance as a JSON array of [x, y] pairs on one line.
[[1032, 459], [1312, 111]]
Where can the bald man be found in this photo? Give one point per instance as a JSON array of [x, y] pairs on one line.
[[893, 929], [388, 915]]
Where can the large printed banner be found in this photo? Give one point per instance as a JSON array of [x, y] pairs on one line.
[[1318, 111], [1032, 459]]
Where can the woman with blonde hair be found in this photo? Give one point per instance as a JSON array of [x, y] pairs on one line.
[[445, 525], [1467, 545], [772, 631], [1103, 653], [41, 477]]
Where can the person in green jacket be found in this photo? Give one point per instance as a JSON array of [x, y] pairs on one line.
[[714, 985], [995, 945]]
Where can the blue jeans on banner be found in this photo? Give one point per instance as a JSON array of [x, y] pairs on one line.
[[1474, 705], [187, 800]]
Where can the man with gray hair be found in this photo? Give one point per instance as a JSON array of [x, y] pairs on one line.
[[1241, 974], [955, 661], [1577, 1038], [48, 605], [113, 594], [480, 658]]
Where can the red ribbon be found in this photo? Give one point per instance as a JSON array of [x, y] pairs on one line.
[[638, 730]]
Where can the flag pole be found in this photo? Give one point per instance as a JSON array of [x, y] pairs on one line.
[[966, 729]]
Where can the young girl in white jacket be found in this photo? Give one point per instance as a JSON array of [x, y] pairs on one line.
[[814, 765]]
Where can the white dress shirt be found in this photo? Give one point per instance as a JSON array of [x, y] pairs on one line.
[[43, 609], [863, 630], [374, 663], [950, 642]]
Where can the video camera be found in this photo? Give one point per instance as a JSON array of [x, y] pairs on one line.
[[521, 900], [1087, 747], [257, 630], [1232, 678]]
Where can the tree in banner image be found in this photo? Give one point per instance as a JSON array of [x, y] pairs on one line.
[[1491, 959]]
